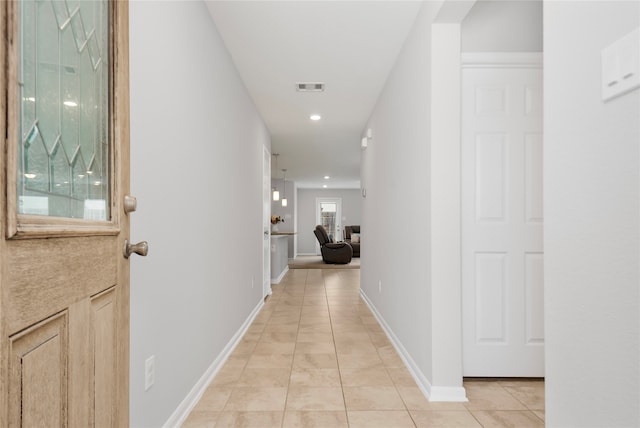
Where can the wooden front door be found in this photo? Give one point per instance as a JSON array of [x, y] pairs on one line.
[[64, 280]]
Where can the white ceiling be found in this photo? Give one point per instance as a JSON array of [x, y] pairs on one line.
[[349, 45]]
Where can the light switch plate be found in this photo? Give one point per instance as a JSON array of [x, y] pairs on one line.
[[621, 66]]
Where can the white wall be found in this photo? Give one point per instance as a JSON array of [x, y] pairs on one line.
[[396, 175], [196, 155], [306, 204], [503, 26], [591, 222]]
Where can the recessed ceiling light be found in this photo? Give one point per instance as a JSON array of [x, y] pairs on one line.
[[30, 175], [326, 177], [315, 117], [324, 186], [70, 103]]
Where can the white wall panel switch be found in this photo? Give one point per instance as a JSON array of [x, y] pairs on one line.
[[621, 66]]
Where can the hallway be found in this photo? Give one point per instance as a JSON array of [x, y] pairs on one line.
[[315, 356]]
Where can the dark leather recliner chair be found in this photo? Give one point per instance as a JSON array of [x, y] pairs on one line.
[[348, 230], [332, 252]]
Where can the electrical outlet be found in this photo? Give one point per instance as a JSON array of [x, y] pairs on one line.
[[380, 286], [149, 372]]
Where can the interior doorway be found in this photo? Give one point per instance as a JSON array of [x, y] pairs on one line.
[[502, 216], [329, 215]]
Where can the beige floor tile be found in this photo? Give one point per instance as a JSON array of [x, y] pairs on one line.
[[376, 329], [267, 348], [490, 398], [530, 396], [256, 327], [355, 360], [351, 336], [311, 398], [444, 419], [256, 399], [315, 348], [348, 347], [271, 377], [349, 328], [380, 419], [369, 319], [270, 361], [365, 377], [539, 413], [507, 419], [279, 336], [315, 377], [249, 420], [317, 300], [201, 419], [237, 360], [315, 361], [379, 339], [297, 419], [284, 319], [315, 338], [390, 357], [401, 376], [227, 376], [324, 328], [314, 319], [245, 347], [280, 328], [413, 398], [372, 398], [533, 382], [214, 399]]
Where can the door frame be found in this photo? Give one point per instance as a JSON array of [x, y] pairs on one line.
[[266, 222], [338, 201]]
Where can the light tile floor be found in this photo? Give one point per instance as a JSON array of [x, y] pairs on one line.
[[315, 356]]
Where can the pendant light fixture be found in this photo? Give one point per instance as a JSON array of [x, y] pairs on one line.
[[276, 193], [284, 185]]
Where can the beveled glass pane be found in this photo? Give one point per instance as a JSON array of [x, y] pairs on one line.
[[60, 171], [80, 179], [28, 75], [70, 88], [47, 72], [36, 163], [64, 135], [77, 27]]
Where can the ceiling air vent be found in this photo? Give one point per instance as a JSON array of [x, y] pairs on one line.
[[309, 86]]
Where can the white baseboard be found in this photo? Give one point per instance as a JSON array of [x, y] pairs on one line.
[[432, 393], [178, 417], [448, 393], [279, 278], [307, 254]]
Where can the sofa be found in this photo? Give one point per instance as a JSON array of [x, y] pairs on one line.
[[352, 236]]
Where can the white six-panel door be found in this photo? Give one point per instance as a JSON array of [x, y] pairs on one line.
[[502, 219]]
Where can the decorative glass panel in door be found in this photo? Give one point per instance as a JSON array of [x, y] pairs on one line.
[[328, 212], [63, 155]]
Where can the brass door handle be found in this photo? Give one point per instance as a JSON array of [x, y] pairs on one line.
[[141, 248]]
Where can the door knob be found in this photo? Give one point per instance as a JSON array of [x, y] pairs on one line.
[[141, 248]]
